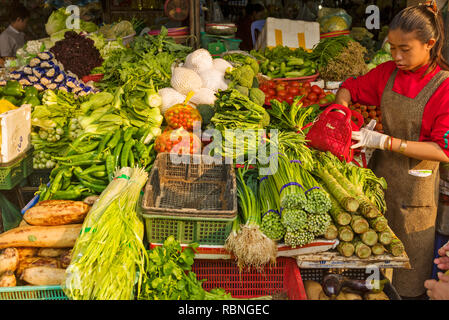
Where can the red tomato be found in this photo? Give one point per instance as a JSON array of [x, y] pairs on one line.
[[271, 84], [271, 92], [282, 93], [317, 90], [312, 96], [295, 84], [306, 85], [321, 96], [289, 99], [264, 87], [302, 91], [280, 87], [293, 91]]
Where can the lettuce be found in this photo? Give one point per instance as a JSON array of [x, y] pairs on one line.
[[57, 21]]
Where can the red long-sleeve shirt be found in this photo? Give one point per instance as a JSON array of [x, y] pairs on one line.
[[368, 90]]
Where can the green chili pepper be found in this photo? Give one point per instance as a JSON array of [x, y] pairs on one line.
[[79, 140], [69, 194], [94, 168], [142, 130], [104, 141], [66, 178], [56, 183], [131, 158], [125, 153], [88, 147], [94, 187], [129, 133], [115, 139], [81, 163], [82, 178], [140, 148], [99, 174], [110, 167], [282, 71], [117, 152], [86, 156]]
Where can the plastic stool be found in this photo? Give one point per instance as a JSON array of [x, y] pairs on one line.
[[256, 25]]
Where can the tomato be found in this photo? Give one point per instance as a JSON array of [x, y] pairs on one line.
[[282, 93], [322, 96], [302, 92], [289, 99], [323, 101], [264, 87], [183, 116], [372, 114], [306, 85], [363, 108], [312, 96], [268, 99], [271, 84], [185, 142], [295, 84], [293, 90], [317, 89], [280, 87], [271, 92]]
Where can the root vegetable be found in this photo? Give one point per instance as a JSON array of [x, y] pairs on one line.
[[52, 252], [56, 213], [379, 224], [385, 237], [362, 250], [9, 260], [395, 247], [378, 249], [37, 262], [338, 214], [39, 236], [313, 289], [376, 296], [43, 276], [7, 279], [25, 252]]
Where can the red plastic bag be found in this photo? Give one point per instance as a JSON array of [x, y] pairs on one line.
[[333, 130]]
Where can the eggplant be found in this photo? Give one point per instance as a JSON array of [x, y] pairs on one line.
[[333, 284]]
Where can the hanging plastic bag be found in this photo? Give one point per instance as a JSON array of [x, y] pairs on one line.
[[10, 214], [332, 20]]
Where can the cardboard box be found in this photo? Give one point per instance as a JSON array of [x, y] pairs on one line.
[[290, 33], [15, 133]]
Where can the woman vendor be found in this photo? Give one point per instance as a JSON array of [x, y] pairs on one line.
[[413, 93]]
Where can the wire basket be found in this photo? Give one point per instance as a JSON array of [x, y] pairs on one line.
[[194, 202], [282, 280], [356, 274]]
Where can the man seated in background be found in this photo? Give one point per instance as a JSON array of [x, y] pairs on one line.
[[253, 12], [13, 38]]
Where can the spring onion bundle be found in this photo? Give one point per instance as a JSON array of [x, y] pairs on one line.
[[109, 256], [271, 224], [250, 246]]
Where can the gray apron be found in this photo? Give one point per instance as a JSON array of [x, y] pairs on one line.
[[411, 201]]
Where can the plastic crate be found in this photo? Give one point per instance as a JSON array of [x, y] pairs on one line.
[[39, 176], [216, 45], [195, 202], [358, 274], [12, 173], [33, 293], [283, 279]]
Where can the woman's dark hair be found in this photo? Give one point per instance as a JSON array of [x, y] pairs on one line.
[[18, 11], [427, 23]]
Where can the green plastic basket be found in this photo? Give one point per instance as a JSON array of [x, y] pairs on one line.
[[186, 230], [33, 293], [216, 45], [12, 173]]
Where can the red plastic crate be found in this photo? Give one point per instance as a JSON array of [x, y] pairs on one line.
[[284, 277]]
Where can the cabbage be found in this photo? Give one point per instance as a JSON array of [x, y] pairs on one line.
[[334, 23], [123, 28], [99, 41], [56, 21]]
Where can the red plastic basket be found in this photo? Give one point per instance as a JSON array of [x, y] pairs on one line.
[[283, 278], [300, 79], [93, 77]]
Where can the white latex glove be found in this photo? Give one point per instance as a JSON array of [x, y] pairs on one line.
[[369, 139]]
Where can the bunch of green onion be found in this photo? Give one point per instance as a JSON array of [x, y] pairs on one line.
[[109, 255]]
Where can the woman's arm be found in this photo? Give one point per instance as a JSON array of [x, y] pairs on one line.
[[420, 150], [343, 97]]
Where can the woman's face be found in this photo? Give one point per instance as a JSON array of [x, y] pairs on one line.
[[408, 52]]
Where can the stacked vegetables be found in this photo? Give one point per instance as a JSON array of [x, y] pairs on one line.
[[44, 72], [303, 204], [109, 255], [283, 62], [357, 208], [17, 95]]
